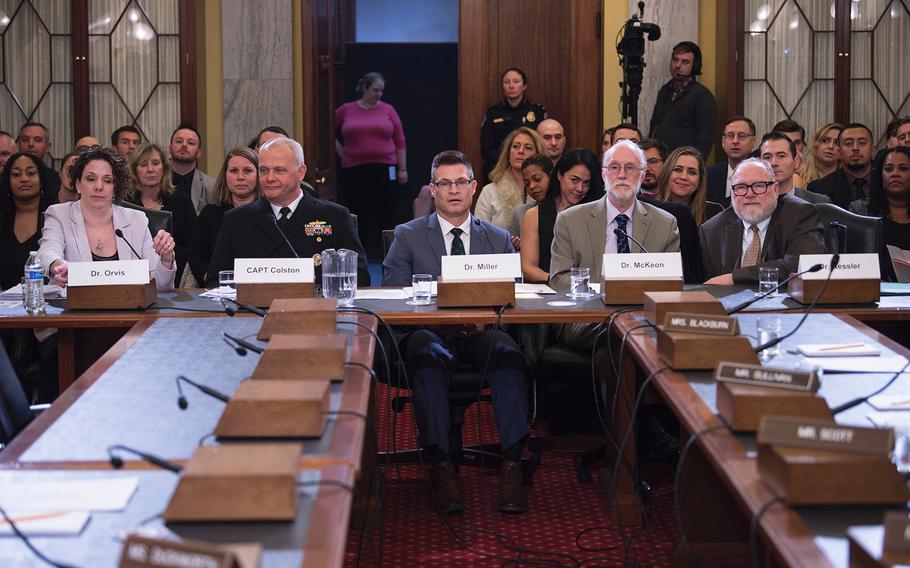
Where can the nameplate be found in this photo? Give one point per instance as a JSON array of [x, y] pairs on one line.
[[144, 552], [701, 323], [635, 266], [108, 272], [861, 266], [268, 270], [897, 533], [759, 376], [822, 435], [481, 267]]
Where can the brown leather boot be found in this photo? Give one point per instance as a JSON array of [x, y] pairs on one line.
[[512, 496], [446, 493]]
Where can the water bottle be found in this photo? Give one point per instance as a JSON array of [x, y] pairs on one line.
[[33, 285]]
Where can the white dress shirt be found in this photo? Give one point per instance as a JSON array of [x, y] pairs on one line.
[[747, 237], [729, 179], [448, 237], [612, 212], [276, 209]]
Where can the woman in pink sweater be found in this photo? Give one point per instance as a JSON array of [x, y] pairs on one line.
[[370, 142]]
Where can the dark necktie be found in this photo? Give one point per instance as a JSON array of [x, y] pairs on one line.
[[285, 217], [859, 189], [622, 241], [457, 244]]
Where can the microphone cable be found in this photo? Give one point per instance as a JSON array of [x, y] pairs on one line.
[[28, 543]]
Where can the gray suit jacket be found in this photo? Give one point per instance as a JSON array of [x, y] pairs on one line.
[[202, 190], [580, 236], [418, 247], [810, 196]]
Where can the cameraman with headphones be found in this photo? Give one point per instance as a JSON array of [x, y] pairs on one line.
[[685, 112]]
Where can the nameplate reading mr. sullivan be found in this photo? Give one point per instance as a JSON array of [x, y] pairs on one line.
[[109, 272], [700, 323], [759, 376], [271, 270], [823, 435]]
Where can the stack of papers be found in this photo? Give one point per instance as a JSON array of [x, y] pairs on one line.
[[51, 291], [891, 364], [220, 292]]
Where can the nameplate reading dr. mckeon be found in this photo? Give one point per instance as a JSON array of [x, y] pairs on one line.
[[824, 435], [700, 323], [759, 376]]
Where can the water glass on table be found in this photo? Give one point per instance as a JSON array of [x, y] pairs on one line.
[[767, 280], [226, 279], [421, 290], [768, 328], [580, 285]]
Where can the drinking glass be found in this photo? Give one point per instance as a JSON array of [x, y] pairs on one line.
[[580, 286], [767, 280], [421, 290], [768, 328], [226, 279]]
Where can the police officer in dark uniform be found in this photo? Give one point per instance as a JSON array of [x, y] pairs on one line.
[[504, 117], [310, 225]]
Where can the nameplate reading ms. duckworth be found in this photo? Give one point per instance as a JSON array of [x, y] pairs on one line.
[[824, 435], [759, 376], [271, 270], [701, 323]]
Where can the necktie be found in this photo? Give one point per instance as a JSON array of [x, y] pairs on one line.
[[622, 241], [457, 244], [753, 253], [285, 217], [859, 189]]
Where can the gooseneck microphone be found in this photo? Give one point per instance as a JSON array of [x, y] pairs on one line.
[[242, 344], [840, 234], [181, 400], [283, 236], [119, 233], [747, 303], [231, 311], [117, 461], [621, 233]]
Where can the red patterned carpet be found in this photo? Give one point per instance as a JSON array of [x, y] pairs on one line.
[[569, 523]]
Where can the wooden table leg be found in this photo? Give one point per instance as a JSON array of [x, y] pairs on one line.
[[66, 357]]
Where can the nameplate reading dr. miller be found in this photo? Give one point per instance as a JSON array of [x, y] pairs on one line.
[[759, 376], [824, 435], [481, 267], [638, 266], [270, 270], [701, 323], [108, 272]]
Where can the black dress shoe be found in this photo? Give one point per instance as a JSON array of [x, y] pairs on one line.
[[512, 496], [447, 497]]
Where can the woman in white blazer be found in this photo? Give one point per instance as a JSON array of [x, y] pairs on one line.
[[85, 230]]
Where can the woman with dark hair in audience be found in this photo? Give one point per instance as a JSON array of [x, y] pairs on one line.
[[153, 190], [237, 184], [67, 192], [889, 198], [23, 199], [683, 181], [822, 155], [535, 172], [575, 179]]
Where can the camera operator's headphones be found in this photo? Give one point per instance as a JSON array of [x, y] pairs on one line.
[[690, 47]]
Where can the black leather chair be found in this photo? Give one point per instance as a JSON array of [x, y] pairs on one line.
[[158, 220], [15, 412], [858, 233]]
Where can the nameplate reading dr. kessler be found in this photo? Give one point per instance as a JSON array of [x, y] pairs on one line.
[[108, 272], [269, 270], [642, 266], [858, 266], [701, 323], [759, 376], [823, 435], [480, 267]]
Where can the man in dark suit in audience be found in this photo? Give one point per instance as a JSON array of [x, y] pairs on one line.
[[780, 151], [760, 229], [35, 139], [738, 141], [853, 179], [432, 354], [311, 225]]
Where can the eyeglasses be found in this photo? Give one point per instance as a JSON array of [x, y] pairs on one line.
[[757, 188], [446, 185], [83, 148], [740, 135], [629, 169]]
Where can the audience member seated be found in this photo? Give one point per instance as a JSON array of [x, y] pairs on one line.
[[852, 180], [153, 190], [575, 180], [554, 138], [535, 172], [83, 231], [34, 139], [899, 132], [514, 111], [310, 225], [186, 149], [24, 196], [682, 181], [795, 132], [762, 228], [423, 204], [890, 200], [83, 144], [499, 198], [237, 184], [7, 147], [125, 140], [432, 354], [626, 131], [738, 141], [67, 192], [823, 155], [266, 134], [656, 153], [780, 151], [606, 141]]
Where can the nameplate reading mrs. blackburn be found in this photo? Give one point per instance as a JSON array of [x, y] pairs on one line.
[[701, 323], [272, 270], [759, 376], [823, 435], [108, 272]]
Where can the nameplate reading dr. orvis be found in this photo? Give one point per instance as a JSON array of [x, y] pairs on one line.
[[822, 435], [108, 272], [701, 323], [860, 266], [638, 266], [759, 376], [268, 270], [480, 267]]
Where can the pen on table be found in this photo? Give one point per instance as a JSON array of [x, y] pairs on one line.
[[839, 347], [35, 517]]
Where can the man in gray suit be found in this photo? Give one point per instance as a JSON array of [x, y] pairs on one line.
[[186, 149], [585, 232], [433, 354], [780, 151]]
